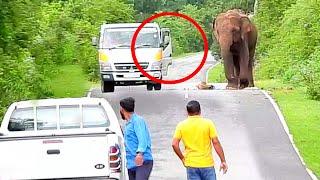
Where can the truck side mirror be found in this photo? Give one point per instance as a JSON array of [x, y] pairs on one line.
[[165, 37], [166, 40], [94, 41]]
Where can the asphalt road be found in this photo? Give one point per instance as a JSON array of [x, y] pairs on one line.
[[253, 138]]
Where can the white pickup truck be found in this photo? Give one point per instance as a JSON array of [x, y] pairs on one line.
[[153, 50], [61, 139]]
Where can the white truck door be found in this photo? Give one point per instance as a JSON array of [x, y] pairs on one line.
[[167, 50]]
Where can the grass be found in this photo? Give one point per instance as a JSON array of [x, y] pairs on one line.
[[70, 82], [216, 75], [301, 114]]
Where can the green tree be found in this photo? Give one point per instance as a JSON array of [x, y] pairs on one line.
[[37, 36]]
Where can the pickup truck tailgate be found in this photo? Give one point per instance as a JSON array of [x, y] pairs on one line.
[[68, 156]]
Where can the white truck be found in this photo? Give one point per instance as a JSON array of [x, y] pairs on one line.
[[61, 139], [153, 50]]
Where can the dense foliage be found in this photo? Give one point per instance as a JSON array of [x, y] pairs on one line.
[[290, 42], [36, 36], [185, 36]]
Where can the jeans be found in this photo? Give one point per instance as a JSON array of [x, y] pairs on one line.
[[142, 172], [201, 173]]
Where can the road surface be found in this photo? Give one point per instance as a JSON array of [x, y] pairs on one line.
[[253, 138]]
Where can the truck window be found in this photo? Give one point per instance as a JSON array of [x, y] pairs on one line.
[[121, 38], [21, 120], [94, 116], [70, 117], [46, 118]]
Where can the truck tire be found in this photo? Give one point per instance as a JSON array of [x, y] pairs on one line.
[[149, 86], [107, 86], [157, 86]]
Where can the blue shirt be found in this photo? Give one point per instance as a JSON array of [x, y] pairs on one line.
[[137, 139]]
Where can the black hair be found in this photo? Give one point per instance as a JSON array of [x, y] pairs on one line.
[[127, 104], [193, 108]]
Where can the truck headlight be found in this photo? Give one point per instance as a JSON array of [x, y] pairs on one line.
[[105, 67], [158, 56], [156, 66], [103, 57]]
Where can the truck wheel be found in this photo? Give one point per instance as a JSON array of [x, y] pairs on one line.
[[107, 86], [157, 86], [149, 86]]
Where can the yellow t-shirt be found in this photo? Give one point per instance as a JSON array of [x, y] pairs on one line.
[[196, 134]]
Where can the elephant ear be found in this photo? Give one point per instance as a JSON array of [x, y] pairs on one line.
[[246, 30]]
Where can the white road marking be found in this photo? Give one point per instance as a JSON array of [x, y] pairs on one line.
[[286, 129]]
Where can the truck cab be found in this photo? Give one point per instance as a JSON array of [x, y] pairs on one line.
[[153, 50]]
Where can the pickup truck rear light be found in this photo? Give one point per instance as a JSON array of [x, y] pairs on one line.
[[115, 158]]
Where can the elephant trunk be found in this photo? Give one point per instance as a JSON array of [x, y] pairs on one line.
[[236, 35]]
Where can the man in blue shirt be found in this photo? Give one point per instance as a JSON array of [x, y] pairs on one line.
[[137, 142]]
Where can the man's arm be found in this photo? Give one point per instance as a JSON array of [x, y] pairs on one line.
[[141, 133], [217, 146], [176, 148]]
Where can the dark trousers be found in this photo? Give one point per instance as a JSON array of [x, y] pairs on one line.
[[142, 172]]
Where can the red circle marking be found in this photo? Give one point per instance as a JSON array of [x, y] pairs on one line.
[[134, 39]]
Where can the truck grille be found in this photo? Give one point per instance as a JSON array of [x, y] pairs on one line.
[[130, 66]]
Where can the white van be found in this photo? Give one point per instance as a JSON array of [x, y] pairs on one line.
[[153, 50]]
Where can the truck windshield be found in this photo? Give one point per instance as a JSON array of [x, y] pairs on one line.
[[70, 117], [121, 38]]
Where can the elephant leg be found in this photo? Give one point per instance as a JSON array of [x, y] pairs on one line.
[[229, 69], [244, 66], [251, 60], [236, 61]]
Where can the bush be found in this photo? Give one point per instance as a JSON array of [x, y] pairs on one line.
[[294, 42], [37, 37], [268, 19], [289, 49], [312, 75]]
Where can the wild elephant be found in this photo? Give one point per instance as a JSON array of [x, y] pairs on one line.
[[237, 38]]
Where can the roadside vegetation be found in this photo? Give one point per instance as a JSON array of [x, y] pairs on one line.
[[288, 66], [185, 37], [39, 39], [73, 77], [289, 56]]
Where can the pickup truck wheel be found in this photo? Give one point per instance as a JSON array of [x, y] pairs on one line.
[[149, 86], [107, 86], [157, 86]]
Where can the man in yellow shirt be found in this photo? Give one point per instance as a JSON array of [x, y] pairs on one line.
[[198, 135]]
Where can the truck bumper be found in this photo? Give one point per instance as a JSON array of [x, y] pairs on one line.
[[129, 78]]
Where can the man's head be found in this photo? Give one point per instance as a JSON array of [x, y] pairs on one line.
[[193, 108], [126, 107]]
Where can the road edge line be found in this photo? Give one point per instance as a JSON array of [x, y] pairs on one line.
[[211, 67], [286, 129]]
